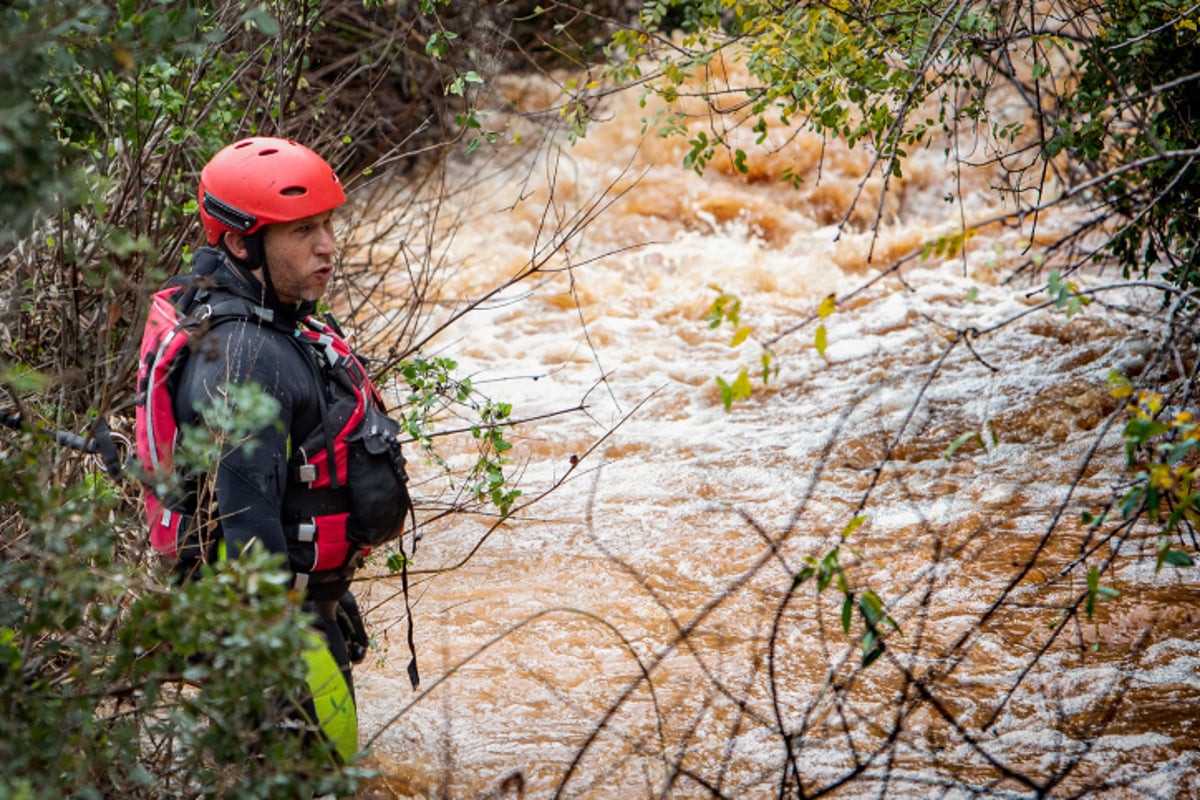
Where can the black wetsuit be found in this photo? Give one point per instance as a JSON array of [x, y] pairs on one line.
[[251, 481]]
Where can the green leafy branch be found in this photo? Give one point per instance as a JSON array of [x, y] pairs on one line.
[[829, 570], [487, 477], [1162, 457], [435, 392], [438, 47], [726, 308], [948, 246], [1097, 592], [1065, 294]]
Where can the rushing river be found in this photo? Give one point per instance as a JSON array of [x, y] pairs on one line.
[[635, 633]]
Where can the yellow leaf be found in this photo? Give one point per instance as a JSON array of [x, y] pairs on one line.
[[741, 386], [827, 307], [740, 335], [821, 340], [1160, 477], [852, 525], [1120, 392]]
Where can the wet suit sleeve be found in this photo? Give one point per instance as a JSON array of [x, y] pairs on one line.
[[251, 473]]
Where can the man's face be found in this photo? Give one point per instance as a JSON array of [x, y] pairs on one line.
[[300, 257]]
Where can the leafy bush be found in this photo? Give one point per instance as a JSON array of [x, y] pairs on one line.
[[95, 704]]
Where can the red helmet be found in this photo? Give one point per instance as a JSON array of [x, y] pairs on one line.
[[261, 181]]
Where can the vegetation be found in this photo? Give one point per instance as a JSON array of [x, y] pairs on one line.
[[110, 109]]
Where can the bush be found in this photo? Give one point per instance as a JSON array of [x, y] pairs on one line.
[[95, 704]]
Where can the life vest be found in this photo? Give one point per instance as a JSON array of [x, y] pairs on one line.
[[346, 489]]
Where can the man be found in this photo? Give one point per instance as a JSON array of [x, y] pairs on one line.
[[325, 481]]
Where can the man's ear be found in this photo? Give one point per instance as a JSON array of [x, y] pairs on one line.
[[236, 242]]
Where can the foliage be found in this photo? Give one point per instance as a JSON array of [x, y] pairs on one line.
[[228, 420], [1113, 86], [727, 308], [1135, 118], [95, 704], [1065, 294], [1162, 460], [829, 570], [434, 394]]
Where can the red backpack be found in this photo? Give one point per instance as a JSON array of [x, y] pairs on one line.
[[355, 447]]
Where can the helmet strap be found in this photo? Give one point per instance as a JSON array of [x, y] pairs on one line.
[[256, 250], [255, 261]]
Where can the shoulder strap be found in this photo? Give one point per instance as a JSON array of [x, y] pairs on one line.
[[322, 379], [228, 308]]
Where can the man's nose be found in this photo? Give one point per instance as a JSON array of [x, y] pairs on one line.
[[326, 243]]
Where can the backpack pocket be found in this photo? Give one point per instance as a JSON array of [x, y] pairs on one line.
[[378, 483]]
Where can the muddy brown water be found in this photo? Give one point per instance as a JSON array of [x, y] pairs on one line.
[[634, 633]]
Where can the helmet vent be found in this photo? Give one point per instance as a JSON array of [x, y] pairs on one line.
[[270, 151], [293, 191]]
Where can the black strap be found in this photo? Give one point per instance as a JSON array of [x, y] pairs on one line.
[[323, 403], [101, 441], [414, 676], [102, 436]]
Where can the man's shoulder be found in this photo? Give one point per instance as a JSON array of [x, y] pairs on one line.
[[240, 348], [243, 336]]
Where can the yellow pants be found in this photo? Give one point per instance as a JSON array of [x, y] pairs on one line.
[[330, 688]]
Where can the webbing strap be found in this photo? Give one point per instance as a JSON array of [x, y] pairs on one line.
[[323, 405], [414, 677]]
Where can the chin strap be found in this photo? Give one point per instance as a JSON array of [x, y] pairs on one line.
[[256, 258]]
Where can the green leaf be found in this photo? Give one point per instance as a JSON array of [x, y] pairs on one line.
[[960, 441], [261, 19], [726, 393], [872, 649], [847, 612], [872, 608], [1054, 284], [1178, 558], [739, 161], [1093, 581]]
